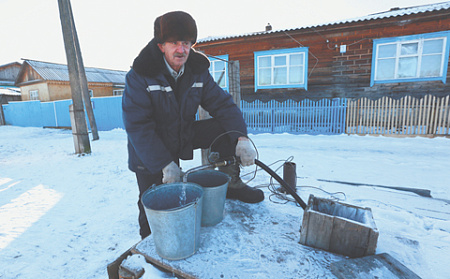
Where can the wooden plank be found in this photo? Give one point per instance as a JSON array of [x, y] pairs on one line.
[[372, 118], [446, 116], [394, 116], [389, 115], [164, 264], [437, 113], [348, 122], [372, 267], [319, 228], [441, 123], [405, 111], [432, 125], [378, 116], [367, 116], [407, 115], [420, 122], [349, 238], [362, 123], [359, 109], [385, 115], [427, 114], [355, 115], [414, 116], [113, 268], [372, 241]]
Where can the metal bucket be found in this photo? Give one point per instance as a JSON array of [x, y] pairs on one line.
[[214, 184], [175, 224]]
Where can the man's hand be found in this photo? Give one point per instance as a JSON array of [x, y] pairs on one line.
[[171, 173], [245, 151]]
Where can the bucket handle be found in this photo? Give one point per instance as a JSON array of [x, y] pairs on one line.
[[194, 202]]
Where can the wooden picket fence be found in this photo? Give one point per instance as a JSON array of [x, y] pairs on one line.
[[408, 116]]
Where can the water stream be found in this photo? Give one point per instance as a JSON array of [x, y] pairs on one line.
[[183, 195]]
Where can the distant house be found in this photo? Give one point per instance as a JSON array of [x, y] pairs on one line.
[[400, 52], [49, 81], [8, 75]]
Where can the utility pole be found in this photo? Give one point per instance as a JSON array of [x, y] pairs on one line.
[[78, 81]]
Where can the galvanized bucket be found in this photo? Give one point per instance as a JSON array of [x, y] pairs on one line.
[[174, 221], [215, 184]]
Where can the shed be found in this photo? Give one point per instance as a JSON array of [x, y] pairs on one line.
[[46, 81], [396, 53], [8, 75]]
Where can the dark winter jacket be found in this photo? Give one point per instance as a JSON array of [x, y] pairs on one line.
[[158, 123]]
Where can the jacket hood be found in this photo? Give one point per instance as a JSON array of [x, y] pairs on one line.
[[150, 61]]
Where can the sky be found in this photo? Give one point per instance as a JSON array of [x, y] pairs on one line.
[[112, 32]]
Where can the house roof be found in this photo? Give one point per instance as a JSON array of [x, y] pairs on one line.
[[394, 12], [7, 83], [10, 91], [10, 64], [60, 72]]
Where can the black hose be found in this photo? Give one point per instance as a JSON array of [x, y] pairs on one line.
[[282, 182]]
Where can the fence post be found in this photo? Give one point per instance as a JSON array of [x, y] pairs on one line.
[[2, 116]]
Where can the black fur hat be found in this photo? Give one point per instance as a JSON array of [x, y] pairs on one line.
[[176, 26]]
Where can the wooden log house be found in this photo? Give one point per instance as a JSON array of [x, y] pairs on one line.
[[397, 53], [46, 81]]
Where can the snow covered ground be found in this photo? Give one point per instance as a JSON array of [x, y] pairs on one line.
[[68, 216]]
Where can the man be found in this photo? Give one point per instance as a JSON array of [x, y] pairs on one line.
[[167, 83]]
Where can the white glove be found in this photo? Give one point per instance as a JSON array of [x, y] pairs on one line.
[[171, 173], [245, 151]]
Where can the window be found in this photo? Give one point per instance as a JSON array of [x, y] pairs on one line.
[[118, 92], [219, 70], [410, 58], [34, 95], [282, 68]]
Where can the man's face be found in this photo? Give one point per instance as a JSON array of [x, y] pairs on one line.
[[176, 53]]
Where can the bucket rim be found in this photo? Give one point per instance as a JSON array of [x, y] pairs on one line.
[[215, 172], [155, 188]]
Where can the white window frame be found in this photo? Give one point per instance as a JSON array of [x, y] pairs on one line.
[[213, 69], [34, 95], [397, 42], [273, 54]]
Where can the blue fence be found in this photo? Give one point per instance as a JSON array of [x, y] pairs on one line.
[[107, 112], [305, 117]]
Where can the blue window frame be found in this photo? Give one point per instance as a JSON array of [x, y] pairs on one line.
[[281, 68], [422, 57], [219, 70]]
